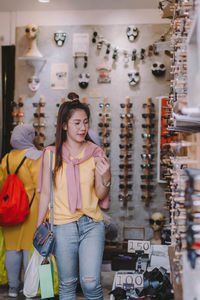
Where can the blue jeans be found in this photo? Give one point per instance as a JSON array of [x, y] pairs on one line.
[[79, 245], [13, 263]]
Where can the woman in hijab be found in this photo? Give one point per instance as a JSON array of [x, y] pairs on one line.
[[18, 239]]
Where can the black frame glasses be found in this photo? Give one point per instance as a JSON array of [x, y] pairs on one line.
[[103, 125], [128, 125], [126, 135], [125, 146], [123, 105], [150, 116]]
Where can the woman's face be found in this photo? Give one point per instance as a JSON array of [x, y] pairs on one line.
[[77, 126]]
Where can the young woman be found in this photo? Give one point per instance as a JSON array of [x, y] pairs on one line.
[[81, 182], [19, 238]]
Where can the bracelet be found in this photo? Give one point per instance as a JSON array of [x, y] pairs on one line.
[[106, 184]]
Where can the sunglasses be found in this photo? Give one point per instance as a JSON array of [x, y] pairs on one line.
[[106, 145], [126, 146], [107, 134], [147, 125], [129, 116], [147, 135], [146, 166], [149, 176], [13, 103], [20, 104], [101, 105], [127, 135], [27, 30], [106, 115], [128, 176], [147, 187], [36, 104], [128, 125], [39, 115], [94, 37], [125, 156], [145, 198], [125, 166], [157, 222], [149, 156], [128, 186], [148, 105], [36, 125], [39, 134], [103, 124], [123, 105], [150, 146], [125, 197], [150, 116]]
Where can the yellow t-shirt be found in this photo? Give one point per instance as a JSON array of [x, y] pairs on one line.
[[90, 207]]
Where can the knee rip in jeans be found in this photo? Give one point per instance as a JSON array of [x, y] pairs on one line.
[[89, 279], [74, 280]]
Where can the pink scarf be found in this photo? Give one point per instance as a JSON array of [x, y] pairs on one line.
[[73, 175]]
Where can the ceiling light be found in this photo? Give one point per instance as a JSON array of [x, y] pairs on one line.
[[44, 1]]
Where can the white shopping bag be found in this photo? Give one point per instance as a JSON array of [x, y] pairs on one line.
[[31, 277]]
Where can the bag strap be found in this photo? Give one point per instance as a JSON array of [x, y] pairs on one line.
[[32, 199], [21, 163], [51, 191], [16, 171]]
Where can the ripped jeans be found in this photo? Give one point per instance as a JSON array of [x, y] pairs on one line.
[[80, 242]]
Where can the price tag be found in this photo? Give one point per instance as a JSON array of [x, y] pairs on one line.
[[129, 279], [134, 245]]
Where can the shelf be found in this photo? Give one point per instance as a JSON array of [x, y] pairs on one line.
[[37, 63]]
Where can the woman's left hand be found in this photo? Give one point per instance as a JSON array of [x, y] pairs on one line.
[[103, 169]]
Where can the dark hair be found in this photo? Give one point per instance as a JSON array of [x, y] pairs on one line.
[[65, 112], [73, 96]]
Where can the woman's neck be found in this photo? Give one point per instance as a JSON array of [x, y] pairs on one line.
[[75, 148]]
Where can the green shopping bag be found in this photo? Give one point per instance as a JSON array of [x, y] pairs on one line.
[[46, 279]]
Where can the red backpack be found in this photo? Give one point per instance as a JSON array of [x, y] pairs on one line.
[[14, 204]]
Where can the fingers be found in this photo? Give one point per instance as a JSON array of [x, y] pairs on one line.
[[102, 166]]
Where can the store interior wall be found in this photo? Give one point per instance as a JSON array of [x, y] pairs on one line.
[[149, 86]]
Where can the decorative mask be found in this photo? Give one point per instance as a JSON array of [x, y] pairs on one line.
[[157, 221], [134, 77], [83, 80], [132, 32], [59, 38], [158, 69], [104, 74], [33, 83], [31, 31]]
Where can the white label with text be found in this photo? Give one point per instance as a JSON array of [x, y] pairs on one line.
[[134, 245], [128, 278]]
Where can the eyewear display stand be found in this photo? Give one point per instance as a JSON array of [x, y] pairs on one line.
[[147, 155], [18, 111], [126, 153]]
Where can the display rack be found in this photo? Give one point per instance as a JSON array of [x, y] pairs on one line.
[[147, 156], [125, 145]]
